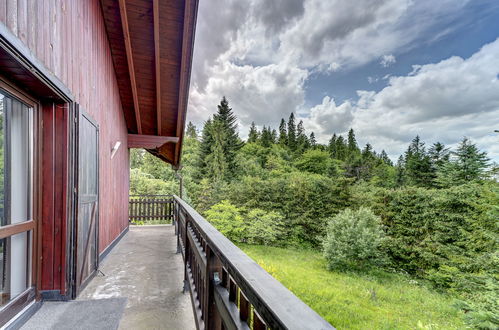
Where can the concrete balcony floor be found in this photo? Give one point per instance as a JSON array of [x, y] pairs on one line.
[[145, 269]]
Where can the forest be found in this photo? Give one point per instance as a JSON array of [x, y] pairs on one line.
[[429, 219]]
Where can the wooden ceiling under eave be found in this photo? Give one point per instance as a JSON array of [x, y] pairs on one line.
[[151, 44]]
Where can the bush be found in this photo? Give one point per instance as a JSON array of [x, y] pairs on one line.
[[305, 201], [353, 239], [227, 218], [142, 183], [264, 228]]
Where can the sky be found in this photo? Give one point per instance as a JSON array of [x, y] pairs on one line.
[[389, 69]]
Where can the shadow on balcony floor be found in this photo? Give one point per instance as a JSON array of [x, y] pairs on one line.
[[145, 269]]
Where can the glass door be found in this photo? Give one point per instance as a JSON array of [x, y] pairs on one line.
[[16, 205]]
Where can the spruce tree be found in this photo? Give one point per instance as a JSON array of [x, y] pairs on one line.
[[439, 155], [232, 141], [291, 133], [467, 164], [353, 148], [253, 133], [204, 149], [400, 172], [384, 157], [418, 169], [283, 134], [332, 146], [216, 163], [274, 136], [341, 148], [302, 142], [312, 140], [191, 131], [266, 138]]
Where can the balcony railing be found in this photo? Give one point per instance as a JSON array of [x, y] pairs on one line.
[[228, 289], [150, 208]]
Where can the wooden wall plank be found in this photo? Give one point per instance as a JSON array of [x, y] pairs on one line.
[[70, 39]]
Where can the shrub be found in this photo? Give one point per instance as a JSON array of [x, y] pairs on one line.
[[227, 218], [353, 239], [264, 228]]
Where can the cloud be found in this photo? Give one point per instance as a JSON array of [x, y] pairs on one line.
[[443, 102], [387, 60], [262, 94], [259, 54]]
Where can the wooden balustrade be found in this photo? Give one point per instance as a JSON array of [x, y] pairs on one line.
[[228, 289], [150, 208]]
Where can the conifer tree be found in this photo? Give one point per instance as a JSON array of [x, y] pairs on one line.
[[216, 163], [283, 134], [353, 148], [332, 146], [291, 133], [384, 157], [232, 143], [266, 139], [439, 155], [204, 149], [341, 148], [253, 133], [191, 131], [400, 172], [302, 142], [418, 170], [274, 136], [467, 164], [312, 140]]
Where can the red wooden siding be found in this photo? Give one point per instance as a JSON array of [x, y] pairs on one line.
[[54, 149], [69, 37]]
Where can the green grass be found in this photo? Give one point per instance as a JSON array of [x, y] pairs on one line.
[[378, 300]]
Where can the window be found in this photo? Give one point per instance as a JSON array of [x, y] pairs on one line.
[[16, 196]]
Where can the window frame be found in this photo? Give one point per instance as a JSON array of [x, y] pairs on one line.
[[31, 225]]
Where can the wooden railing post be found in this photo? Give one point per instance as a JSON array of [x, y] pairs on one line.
[[213, 277], [187, 251]]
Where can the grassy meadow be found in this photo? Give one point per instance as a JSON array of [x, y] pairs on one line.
[[378, 300]]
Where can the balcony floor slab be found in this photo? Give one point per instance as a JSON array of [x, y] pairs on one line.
[[144, 268]]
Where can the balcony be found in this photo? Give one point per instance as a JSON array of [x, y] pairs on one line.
[[188, 275]]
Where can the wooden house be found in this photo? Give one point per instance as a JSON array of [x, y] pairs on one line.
[[81, 81]]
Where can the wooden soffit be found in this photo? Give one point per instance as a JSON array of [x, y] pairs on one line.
[[152, 44]]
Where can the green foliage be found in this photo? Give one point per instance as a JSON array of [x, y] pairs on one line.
[[418, 168], [227, 218], [304, 199], [448, 236], [291, 137], [264, 228], [468, 164], [191, 131], [253, 134], [142, 183], [354, 240], [318, 162]]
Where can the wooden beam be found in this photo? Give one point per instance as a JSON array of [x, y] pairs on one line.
[[157, 62], [190, 15], [149, 141], [129, 57]]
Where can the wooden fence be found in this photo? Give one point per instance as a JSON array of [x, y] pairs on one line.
[[150, 208], [228, 289]]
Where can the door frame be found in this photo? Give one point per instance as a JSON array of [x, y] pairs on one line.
[[17, 304], [78, 114]]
